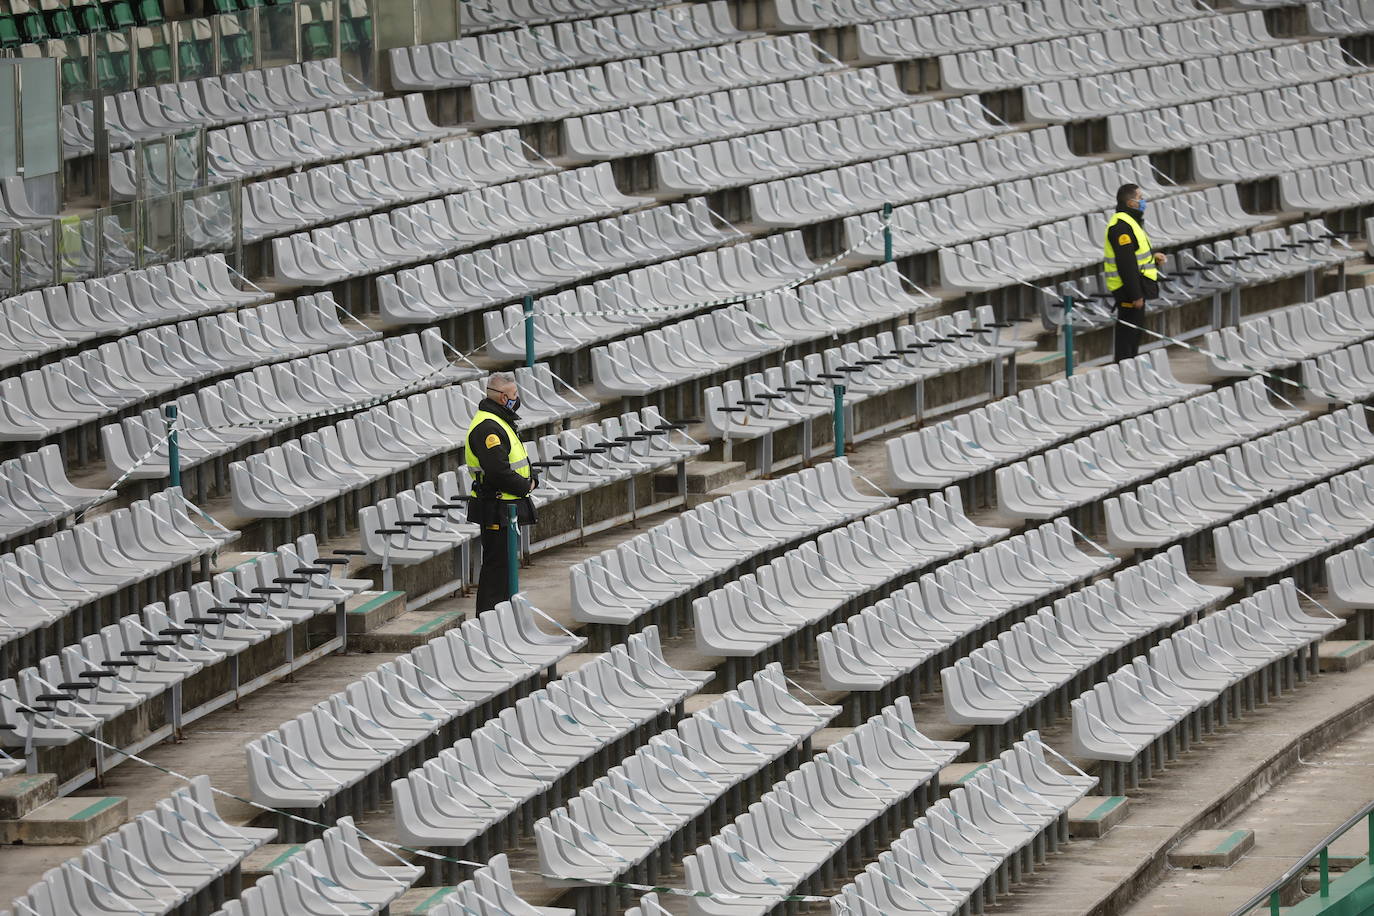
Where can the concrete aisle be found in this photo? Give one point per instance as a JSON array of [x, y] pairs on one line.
[[1204, 789], [1288, 820]]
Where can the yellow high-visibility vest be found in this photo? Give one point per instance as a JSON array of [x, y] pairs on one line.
[[518, 457], [1144, 254]]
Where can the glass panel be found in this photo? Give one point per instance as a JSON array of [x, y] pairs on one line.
[[208, 220], [155, 44], [356, 41], [318, 40], [113, 61], [159, 230], [9, 272], [74, 64], [277, 35], [36, 266], [155, 157], [195, 49], [9, 118], [234, 34], [42, 148], [76, 247], [188, 159], [119, 238]]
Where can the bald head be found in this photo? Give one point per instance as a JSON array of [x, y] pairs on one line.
[[502, 388]]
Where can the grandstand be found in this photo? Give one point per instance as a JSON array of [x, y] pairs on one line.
[[865, 581]]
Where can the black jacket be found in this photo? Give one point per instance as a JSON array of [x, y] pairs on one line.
[[490, 445], [1134, 284]]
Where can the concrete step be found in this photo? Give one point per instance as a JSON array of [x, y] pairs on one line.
[[1094, 815], [419, 901], [266, 859], [954, 775], [23, 792], [369, 610], [1212, 849], [406, 631], [1344, 654], [704, 476], [1038, 367], [77, 820]]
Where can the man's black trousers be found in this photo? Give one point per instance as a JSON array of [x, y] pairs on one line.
[[1127, 344], [493, 581]]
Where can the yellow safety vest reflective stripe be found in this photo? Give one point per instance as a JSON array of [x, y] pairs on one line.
[[1144, 254], [518, 457]]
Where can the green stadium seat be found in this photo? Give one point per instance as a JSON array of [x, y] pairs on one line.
[[149, 12], [192, 59], [316, 41], [33, 27], [9, 32], [92, 18], [236, 52], [155, 64], [62, 24], [120, 14], [76, 75]]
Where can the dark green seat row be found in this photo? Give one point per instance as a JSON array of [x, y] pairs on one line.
[[196, 56], [73, 21]]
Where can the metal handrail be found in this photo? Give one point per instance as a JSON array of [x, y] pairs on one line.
[[1271, 892]]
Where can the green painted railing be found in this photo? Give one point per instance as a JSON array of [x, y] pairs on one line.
[[1350, 895]]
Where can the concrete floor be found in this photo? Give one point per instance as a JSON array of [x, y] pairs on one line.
[[1088, 873], [1289, 819]]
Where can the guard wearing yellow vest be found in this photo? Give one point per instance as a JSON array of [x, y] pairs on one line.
[[502, 477], [1131, 267]]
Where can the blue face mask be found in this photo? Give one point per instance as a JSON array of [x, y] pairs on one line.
[[1141, 206]]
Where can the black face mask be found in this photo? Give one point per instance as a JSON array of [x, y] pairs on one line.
[[513, 405]]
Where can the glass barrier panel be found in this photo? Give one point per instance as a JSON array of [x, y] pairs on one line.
[[277, 35], [154, 54], [76, 247], [118, 238], [36, 264], [195, 44], [236, 41], [318, 34], [209, 221], [159, 217], [114, 66]]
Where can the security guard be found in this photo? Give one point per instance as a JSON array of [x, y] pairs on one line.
[[1131, 266], [502, 476]]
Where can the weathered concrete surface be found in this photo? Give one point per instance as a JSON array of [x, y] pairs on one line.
[[1293, 816], [71, 821], [1205, 789], [1212, 848], [22, 792], [1093, 816]]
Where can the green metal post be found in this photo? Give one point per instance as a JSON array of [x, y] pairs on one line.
[[1068, 336], [1274, 904], [1324, 867], [839, 421], [887, 232], [529, 331], [512, 551], [173, 447]]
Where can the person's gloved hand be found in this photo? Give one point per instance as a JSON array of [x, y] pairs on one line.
[[534, 480]]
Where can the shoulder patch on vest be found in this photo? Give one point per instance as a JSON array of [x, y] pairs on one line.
[[492, 440], [1123, 239]]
